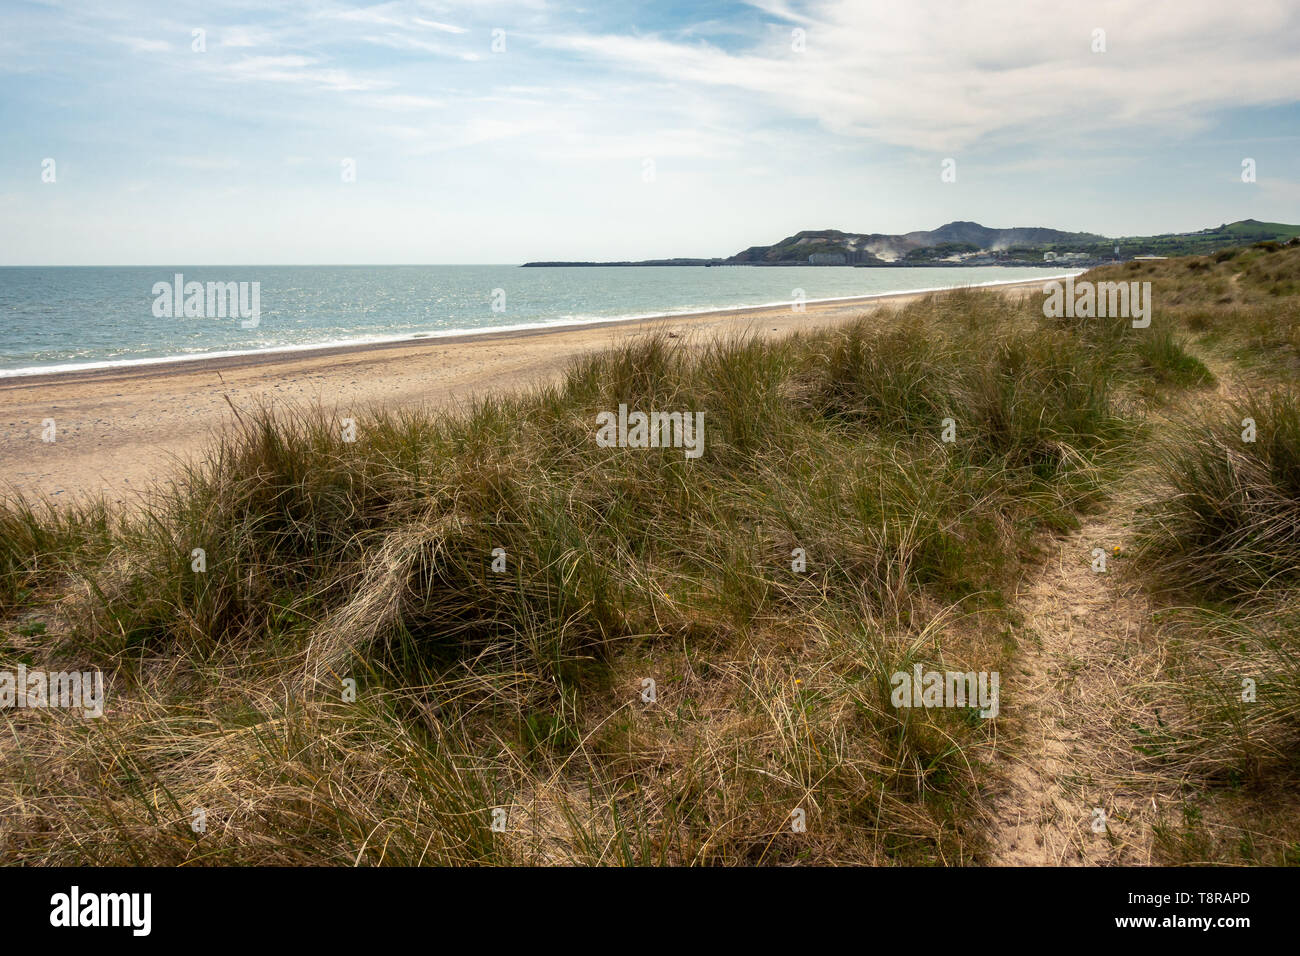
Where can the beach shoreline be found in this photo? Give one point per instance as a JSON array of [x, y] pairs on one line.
[[276, 353], [119, 429]]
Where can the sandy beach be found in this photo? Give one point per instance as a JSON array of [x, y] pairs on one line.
[[120, 429]]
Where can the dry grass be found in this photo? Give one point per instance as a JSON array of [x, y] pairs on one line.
[[370, 561]]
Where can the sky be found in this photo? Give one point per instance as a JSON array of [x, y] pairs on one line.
[[495, 132]]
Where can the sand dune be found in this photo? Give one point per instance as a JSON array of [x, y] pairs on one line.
[[119, 430]]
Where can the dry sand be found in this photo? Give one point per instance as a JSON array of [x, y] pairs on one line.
[[118, 430]]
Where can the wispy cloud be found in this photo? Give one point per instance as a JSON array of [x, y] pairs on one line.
[[406, 102], [399, 41], [299, 69], [244, 37], [762, 117], [434, 25], [143, 44], [399, 14], [937, 75]]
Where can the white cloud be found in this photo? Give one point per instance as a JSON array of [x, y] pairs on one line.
[[293, 68], [204, 163], [243, 37], [395, 14], [144, 45], [434, 25], [400, 41], [384, 14], [940, 75], [405, 102], [780, 9]]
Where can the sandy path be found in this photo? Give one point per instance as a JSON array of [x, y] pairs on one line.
[[1088, 648], [1082, 651], [118, 429]]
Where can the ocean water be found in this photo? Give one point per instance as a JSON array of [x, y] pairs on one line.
[[64, 318]]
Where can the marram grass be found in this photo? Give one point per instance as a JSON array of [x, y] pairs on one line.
[[350, 680]]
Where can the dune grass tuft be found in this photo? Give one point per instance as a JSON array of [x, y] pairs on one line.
[[499, 590]]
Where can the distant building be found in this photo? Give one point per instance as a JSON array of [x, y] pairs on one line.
[[827, 259], [1049, 256]]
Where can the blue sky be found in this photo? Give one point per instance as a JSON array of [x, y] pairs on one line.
[[234, 154]]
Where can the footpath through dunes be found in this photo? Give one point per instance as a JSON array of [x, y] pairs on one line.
[[1072, 789], [397, 647], [771, 589], [1128, 739], [1075, 783]]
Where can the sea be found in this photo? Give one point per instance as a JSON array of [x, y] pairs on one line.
[[69, 318]]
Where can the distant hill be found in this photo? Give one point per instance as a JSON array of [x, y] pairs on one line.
[[956, 238], [969, 243], [958, 243]]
